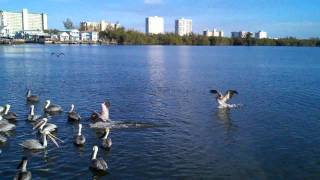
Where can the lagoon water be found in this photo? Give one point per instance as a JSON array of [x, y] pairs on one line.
[[274, 135]]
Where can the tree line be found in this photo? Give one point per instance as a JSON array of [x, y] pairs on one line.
[[131, 37]]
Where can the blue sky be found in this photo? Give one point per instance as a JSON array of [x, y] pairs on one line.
[[279, 18]]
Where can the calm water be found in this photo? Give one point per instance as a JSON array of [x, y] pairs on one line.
[[274, 135]]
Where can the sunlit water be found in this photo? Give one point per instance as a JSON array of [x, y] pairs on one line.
[[275, 134]]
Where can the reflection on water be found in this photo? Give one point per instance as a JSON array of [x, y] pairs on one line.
[[223, 115]]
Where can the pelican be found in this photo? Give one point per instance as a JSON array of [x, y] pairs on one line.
[[106, 141], [9, 115], [43, 125], [31, 98], [51, 108], [34, 144], [99, 164], [32, 116], [73, 115], [3, 139], [23, 173], [5, 126], [1, 109], [223, 99], [79, 138], [104, 115]]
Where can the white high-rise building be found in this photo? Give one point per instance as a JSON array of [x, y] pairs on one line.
[[183, 26], [261, 35], [214, 33], [13, 22], [154, 25]]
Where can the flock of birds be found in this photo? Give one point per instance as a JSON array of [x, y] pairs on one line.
[[45, 129]]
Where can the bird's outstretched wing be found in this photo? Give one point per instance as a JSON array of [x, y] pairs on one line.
[[216, 93], [229, 95]]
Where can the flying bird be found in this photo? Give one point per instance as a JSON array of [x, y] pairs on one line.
[[223, 99]]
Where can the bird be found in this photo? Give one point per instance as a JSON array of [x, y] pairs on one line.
[[99, 164], [79, 138], [5, 126], [73, 115], [104, 115], [106, 141], [43, 125], [57, 54], [51, 108], [223, 99], [35, 144], [32, 116], [32, 98], [10, 116], [23, 173], [3, 139], [2, 110]]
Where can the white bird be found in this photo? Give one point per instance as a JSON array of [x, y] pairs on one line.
[[79, 138], [51, 108], [2, 110], [223, 99], [106, 141], [9, 115], [34, 144], [43, 125], [104, 115], [32, 116], [23, 173], [73, 115], [99, 164], [3, 139]]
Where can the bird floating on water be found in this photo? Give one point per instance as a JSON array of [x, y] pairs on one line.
[[99, 164], [73, 115], [23, 173], [32, 116], [32, 98], [106, 141], [51, 108], [79, 138], [10, 116], [35, 144], [223, 99], [43, 125], [104, 115]]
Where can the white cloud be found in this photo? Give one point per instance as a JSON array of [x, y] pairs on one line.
[[153, 2]]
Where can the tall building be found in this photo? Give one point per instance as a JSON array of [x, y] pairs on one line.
[[240, 34], [13, 22], [261, 35], [214, 33], [97, 26], [183, 26], [154, 25]]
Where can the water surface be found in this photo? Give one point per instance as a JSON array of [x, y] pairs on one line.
[[274, 135]]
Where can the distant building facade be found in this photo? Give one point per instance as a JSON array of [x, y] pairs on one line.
[[154, 25], [261, 35], [183, 26], [14, 22], [89, 36], [213, 33], [97, 26], [240, 34]]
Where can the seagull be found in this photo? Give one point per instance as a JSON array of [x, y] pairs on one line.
[[223, 99], [104, 115]]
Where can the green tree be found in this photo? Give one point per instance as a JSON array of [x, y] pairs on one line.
[[68, 24]]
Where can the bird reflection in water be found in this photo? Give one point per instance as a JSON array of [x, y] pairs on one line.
[[223, 115]]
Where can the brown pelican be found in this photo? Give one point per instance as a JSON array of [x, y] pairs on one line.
[[32, 116], [23, 173], [106, 141], [11, 116], [73, 115], [223, 99], [34, 144], [5, 126], [43, 125], [2, 110], [99, 164], [32, 98], [79, 138], [3, 139], [104, 115], [51, 108]]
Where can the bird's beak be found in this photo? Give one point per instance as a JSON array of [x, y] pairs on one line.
[[38, 125], [53, 140]]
